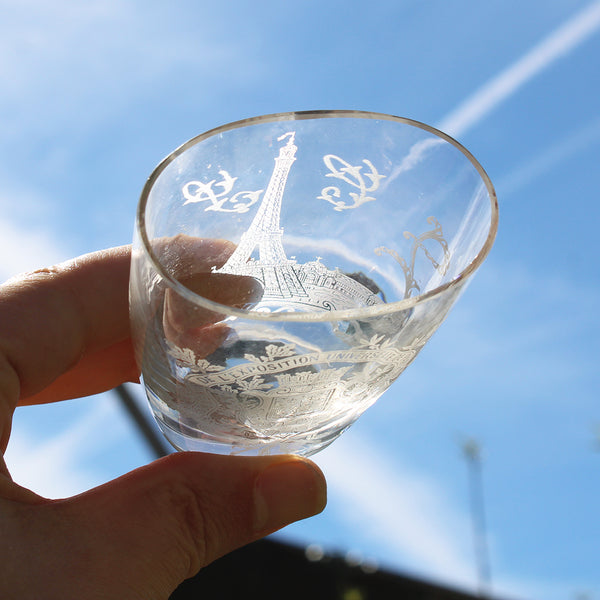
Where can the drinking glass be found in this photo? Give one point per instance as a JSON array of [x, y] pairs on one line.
[[287, 268]]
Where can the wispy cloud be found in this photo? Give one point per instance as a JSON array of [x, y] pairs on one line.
[[409, 515], [23, 249], [415, 519], [574, 143], [66, 66], [54, 467], [504, 85], [412, 515]]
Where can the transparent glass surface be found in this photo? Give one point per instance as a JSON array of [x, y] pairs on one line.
[[287, 269]]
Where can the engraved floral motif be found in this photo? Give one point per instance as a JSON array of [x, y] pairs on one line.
[[184, 356], [376, 342], [273, 352], [204, 365], [254, 384]]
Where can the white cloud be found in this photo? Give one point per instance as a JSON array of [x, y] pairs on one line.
[[66, 63], [23, 249], [411, 514], [498, 89], [505, 84], [576, 142], [414, 156], [406, 512], [53, 466]]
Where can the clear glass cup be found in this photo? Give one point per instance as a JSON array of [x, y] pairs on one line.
[[287, 268]]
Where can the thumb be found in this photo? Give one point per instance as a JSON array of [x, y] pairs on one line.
[[146, 532]]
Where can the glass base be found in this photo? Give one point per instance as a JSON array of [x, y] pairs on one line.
[[196, 441], [184, 437]]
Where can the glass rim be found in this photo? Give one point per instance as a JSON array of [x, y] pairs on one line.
[[315, 316]]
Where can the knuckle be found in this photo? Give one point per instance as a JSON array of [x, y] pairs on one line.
[[188, 526]]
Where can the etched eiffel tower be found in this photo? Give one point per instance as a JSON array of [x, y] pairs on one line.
[[265, 233]]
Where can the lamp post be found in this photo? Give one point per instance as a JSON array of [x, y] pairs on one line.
[[472, 453]]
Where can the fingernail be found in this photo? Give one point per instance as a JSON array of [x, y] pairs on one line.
[[287, 491]]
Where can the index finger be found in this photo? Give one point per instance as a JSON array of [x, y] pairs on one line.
[[54, 319], [64, 330]]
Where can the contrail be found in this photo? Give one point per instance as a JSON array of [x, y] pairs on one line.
[[556, 45], [576, 142]]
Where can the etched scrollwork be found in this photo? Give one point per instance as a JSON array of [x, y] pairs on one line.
[[353, 175], [375, 342], [408, 269], [220, 201]]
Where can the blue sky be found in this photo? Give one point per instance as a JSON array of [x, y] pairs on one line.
[[94, 95]]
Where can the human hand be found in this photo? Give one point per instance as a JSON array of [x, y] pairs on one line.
[[64, 333]]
